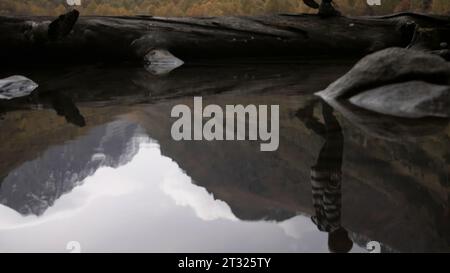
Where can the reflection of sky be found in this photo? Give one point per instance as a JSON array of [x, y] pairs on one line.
[[150, 205]]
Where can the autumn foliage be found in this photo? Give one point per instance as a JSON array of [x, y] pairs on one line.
[[212, 7]]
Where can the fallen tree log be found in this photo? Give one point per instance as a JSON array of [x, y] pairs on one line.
[[131, 38]]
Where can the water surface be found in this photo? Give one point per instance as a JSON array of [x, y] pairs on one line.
[[89, 158]]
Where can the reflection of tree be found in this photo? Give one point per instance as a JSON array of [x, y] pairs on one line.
[[326, 177]]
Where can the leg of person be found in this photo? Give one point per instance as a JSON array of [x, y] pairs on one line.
[[311, 3], [327, 9]]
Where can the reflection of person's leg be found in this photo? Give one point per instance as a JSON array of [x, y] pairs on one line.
[[306, 115], [334, 144], [339, 241], [330, 155], [326, 182]]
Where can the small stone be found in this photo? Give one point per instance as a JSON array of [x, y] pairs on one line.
[[161, 61], [16, 86]]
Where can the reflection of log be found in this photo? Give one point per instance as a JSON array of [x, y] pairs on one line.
[[133, 84], [130, 38]]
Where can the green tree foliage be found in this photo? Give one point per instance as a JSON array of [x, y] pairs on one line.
[[212, 7]]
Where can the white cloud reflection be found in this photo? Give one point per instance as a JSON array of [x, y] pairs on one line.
[[179, 186], [149, 205]]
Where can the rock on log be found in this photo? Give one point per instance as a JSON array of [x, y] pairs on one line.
[[131, 38], [399, 82]]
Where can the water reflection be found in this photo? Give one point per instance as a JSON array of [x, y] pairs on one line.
[[120, 183], [64, 106], [149, 204], [326, 177], [35, 185]]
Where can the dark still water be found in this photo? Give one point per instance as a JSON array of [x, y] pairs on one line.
[[89, 157]]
